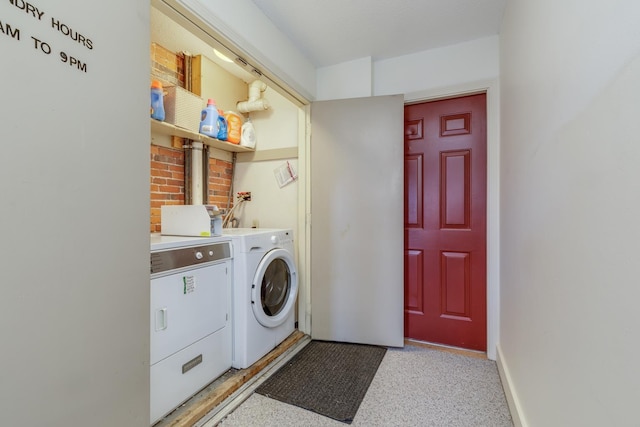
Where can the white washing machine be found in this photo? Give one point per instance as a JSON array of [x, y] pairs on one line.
[[265, 287]]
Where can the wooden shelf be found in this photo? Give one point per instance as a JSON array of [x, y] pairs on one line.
[[164, 128]]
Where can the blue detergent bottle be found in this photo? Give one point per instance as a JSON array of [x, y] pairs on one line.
[[223, 127], [157, 101], [209, 124]]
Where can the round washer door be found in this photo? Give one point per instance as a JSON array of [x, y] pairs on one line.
[[274, 288]]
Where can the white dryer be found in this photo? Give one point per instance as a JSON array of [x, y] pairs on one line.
[[265, 287]]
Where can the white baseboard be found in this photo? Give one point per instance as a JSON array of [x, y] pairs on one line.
[[509, 391]]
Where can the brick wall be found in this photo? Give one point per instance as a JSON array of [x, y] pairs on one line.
[[167, 66], [167, 181], [219, 182]]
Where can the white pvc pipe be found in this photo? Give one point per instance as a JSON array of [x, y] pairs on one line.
[[257, 105], [255, 102], [256, 88]]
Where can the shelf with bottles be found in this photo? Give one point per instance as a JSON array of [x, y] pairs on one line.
[[165, 128]]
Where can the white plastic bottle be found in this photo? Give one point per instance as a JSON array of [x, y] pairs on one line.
[[248, 135]]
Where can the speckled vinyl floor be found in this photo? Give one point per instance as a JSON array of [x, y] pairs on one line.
[[414, 386]]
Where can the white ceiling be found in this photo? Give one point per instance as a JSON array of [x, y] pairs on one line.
[[329, 32]]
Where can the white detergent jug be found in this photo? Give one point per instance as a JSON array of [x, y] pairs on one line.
[[248, 135]]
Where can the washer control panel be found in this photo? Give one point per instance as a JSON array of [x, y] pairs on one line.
[[281, 237]]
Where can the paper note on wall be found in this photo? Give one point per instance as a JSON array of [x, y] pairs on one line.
[[285, 174]]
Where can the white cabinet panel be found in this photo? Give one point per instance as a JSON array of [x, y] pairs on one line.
[[186, 307]]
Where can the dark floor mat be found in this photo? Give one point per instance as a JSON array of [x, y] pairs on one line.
[[328, 378]]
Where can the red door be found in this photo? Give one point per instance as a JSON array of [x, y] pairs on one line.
[[445, 222]]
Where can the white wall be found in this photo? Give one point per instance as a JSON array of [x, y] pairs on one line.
[[570, 79], [270, 205], [351, 79], [476, 60], [429, 70], [74, 179]]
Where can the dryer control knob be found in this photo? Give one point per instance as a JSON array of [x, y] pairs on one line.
[[274, 239], [199, 255]]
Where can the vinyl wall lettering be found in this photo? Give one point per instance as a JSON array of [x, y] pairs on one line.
[[62, 33]]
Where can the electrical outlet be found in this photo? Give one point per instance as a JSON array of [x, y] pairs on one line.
[[244, 195]]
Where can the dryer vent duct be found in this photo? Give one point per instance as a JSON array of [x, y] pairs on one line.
[[256, 102], [196, 168]]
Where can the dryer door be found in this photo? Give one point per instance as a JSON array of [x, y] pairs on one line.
[[274, 288]]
